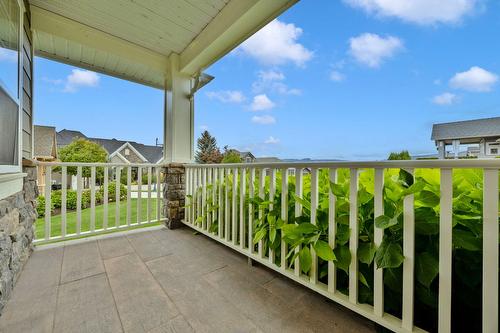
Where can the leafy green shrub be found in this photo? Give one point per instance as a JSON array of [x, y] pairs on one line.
[[40, 206], [299, 233], [112, 191]]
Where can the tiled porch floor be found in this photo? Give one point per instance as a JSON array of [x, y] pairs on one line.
[[163, 281]]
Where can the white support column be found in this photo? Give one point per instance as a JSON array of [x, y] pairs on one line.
[[456, 148], [441, 150], [178, 131]]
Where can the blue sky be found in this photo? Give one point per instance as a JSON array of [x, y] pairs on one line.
[[351, 79]]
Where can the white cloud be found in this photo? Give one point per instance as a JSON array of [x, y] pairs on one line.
[[272, 141], [276, 44], [371, 49], [261, 103], [227, 96], [272, 80], [271, 75], [263, 120], [203, 127], [445, 99], [423, 12], [475, 79], [8, 55], [336, 76], [80, 78]]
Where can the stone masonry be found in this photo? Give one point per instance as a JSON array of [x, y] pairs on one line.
[[174, 193], [17, 215]]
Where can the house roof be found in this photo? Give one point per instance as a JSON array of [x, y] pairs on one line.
[[45, 140], [477, 128], [134, 39], [245, 154], [65, 137], [152, 153]]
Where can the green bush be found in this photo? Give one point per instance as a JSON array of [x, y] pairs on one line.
[[402, 155], [112, 191], [71, 198]]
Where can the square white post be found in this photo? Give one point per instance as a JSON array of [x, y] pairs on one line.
[[178, 129]]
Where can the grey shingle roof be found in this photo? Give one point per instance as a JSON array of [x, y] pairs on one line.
[[487, 127], [44, 139], [151, 153], [65, 137]]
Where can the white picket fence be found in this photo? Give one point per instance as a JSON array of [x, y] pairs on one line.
[[111, 172], [231, 216]]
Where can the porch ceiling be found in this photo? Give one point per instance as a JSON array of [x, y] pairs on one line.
[[133, 39]]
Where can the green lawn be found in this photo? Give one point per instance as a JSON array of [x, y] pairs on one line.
[[99, 215]]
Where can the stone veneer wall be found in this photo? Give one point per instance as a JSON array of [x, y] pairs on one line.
[[17, 216], [174, 192]]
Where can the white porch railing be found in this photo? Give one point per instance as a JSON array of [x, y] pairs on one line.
[[84, 221], [221, 204]]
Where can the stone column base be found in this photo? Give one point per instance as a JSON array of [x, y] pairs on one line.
[[174, 192], [17, 215]]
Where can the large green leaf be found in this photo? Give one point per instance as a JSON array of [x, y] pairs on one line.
[[415, 188], [306, 228], [405, 178], [427, 199], [384, 221], [389, 254], [305, 259], [426, 221], [259, 235], [364, 196], [338, 190], [362, 279], [342, 257], [305, 204], [366, 252], [426, 268], [466, 240], [323, 250]]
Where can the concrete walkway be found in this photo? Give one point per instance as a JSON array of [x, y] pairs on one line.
[[163, 281]]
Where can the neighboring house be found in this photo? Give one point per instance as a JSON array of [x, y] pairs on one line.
[[119, 151], [45, 150], [246, 156], [48, 142], [481, 136]]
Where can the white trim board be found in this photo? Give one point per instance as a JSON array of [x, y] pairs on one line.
[[10, 184], [117, 152]]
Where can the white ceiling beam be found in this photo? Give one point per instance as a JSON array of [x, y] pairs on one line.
[[237, 21], [57, 25], [97, 69]]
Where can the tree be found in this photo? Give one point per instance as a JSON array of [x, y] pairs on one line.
[[207, 152], [81, 150], [402, 155], [231, 156]]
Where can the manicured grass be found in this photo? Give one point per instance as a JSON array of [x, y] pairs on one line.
[[99, 217]]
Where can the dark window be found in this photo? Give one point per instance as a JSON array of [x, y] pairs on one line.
[[9, 83]]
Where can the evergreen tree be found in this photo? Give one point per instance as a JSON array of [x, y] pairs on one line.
[[207, 151]]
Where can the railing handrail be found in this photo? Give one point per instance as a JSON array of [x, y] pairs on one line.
[[427, 164], [100, 164]]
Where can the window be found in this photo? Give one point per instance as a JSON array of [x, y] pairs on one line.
[[10, 22], [493, 151]]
